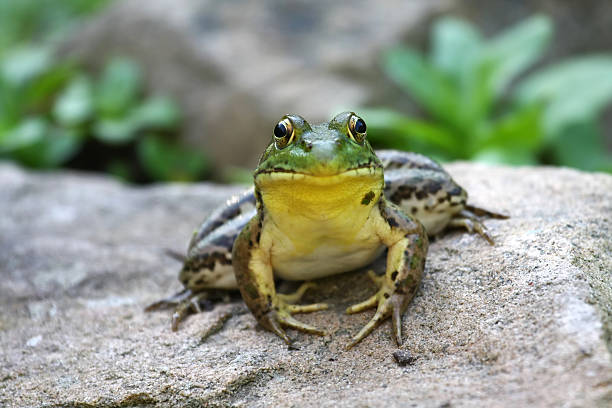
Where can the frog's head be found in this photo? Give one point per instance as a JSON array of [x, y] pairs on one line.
[[322, 163], [322, 150]]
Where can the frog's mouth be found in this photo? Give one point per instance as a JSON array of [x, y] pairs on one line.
[[320, 196], [322, 177]]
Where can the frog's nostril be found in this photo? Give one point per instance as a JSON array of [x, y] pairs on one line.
[[324, 151]]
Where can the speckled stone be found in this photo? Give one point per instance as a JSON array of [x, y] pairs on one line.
[[526, 322]]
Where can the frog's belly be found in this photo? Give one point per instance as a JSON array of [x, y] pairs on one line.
[[324, 260]]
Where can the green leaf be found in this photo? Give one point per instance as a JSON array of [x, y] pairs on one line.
[[27, 132], [74, 105], [424, 82], [456, 44], [581, 145], [398, 131], [118, 88], [158, 112], [167, 161], [513, 139], [520, 129], [517, 48], [38, 94], [22, 65], [575, 90], [457, 49], [115, 131], [56, 147], [476, 97]]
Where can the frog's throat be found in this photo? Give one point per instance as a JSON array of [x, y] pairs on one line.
[[290, 197]]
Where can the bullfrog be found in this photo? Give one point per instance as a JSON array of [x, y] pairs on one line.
[[323, 203]]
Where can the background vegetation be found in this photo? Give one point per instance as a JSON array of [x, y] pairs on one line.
[[477, 106], [478, 98], [55, 113]]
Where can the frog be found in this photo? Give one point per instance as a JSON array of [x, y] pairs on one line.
[[324, 203]]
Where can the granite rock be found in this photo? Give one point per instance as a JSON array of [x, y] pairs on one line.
[[526, 322]]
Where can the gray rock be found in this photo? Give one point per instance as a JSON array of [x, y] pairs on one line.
[[237, 67], [526, 322]]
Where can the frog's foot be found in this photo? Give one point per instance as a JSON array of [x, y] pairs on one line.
[[284, 308], [387, 303], [186, 302], [468, 218]]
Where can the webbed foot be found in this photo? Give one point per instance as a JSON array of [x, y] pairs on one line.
[[283, 308], [387, 304]]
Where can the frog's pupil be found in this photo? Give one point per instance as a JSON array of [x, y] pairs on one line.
[[360, 126], [280, 130]]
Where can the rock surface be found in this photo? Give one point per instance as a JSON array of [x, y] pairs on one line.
[[526, 322]]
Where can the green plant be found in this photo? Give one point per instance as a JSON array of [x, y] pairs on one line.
[[475, 109], [50, 111], [25, 21], [54, 113]]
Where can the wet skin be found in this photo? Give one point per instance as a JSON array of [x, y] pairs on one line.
[[324, 203]]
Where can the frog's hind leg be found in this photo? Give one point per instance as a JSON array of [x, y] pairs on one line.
[[187, 302], [481, 212], [469, 218]]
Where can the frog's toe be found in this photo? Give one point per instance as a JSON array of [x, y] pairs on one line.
[[290, 321], [472, 225], [365, 305], [272, 322], [171, 301], [386, 306], [187, 306], [315, 307], [187, 302], [275, 320], [290, 298], [468, 219]]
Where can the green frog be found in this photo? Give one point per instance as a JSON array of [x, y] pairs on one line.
[[324, 203]]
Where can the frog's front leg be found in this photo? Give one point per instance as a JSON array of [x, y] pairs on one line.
[[251, 260], [407, 244]]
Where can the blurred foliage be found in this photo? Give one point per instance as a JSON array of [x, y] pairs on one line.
[[25, 21], [478, 108], [55, 113]]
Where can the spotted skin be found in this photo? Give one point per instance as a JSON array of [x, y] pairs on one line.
[[420, 199], [407, 244]]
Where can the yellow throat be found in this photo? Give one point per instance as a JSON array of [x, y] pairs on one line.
[[320, 207]]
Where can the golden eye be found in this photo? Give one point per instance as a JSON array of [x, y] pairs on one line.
[[357, 128], [283, 133]]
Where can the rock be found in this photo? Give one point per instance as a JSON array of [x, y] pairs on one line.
[[237, 67], [526, 322]]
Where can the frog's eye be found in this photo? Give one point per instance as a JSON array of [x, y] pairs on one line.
[[357, 128], [283, 133]]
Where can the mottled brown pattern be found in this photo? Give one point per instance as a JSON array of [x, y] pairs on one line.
[[242, 253], [393, 159], [222, 215], [202, 266], [408, 275]]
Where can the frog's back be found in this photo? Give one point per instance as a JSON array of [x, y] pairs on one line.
[[422, 188]]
